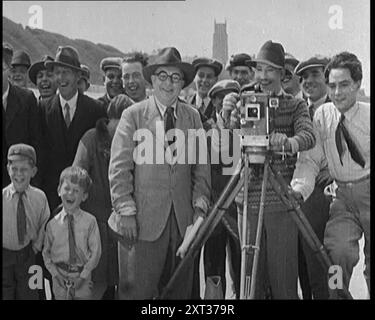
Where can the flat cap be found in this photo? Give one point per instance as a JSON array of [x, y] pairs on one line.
[[224, 85], [317, 61], [240, 59], [206, 62], [110, 62], [21, 151], [22, 58]]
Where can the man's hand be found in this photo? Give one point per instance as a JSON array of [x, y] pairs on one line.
[[277, 140], [198, 212], [230, 111], [128, 227]]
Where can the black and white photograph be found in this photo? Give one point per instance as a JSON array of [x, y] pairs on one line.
[[205, 151]]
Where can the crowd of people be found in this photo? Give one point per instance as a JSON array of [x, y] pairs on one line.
[[104, 225]]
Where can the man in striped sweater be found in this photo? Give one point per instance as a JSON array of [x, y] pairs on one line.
[[277, 271]]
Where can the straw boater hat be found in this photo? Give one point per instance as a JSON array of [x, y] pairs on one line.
[[38, 66], [66, 57], [170, 57]]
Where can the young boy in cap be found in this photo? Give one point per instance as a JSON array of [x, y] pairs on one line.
[[72, 245], [25, 213], [20, 64]]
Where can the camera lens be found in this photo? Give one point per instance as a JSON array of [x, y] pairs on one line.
[[252, 112]]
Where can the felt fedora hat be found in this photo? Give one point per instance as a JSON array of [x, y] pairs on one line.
[[206, 62], [21, 58], [170, 57], [65, 57], [38, 66], [271, 53]]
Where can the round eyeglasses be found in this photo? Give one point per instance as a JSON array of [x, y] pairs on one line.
[[163, 76]]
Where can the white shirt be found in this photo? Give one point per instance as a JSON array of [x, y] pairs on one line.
[[5, 97], [162, 108], [72, 105], [317, 103]]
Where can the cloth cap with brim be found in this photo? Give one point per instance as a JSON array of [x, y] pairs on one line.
[[224, 86], [170, 57], [271, 53], [313, 62], [7, 53], [117, 105], [65, 57], [38, 66], [239, 60], [20, 58], [206, 62], [21, 151], [110, 63]]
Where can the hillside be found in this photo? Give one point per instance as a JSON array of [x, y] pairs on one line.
[[40, 42]]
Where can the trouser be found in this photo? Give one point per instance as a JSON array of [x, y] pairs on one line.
[[16, 275], [215, 254], [349, 219], [313, 277], [155, 262], [278, 267], [84, 292]]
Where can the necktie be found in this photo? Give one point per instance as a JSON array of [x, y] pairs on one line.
[[169, 122], [72, 243], [21, 218], [67, 115], [353, 149]]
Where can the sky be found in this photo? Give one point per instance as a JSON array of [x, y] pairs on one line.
[[304, 27]]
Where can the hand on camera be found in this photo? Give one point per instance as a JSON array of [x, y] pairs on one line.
[[278, 140], [230, 111]]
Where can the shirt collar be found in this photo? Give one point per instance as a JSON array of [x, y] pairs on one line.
[[318, 102], [198, 101], [162, 108], [72, 102], [13, 191], [63, 214], [351, 112]]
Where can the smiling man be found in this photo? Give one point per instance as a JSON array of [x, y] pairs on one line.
[[112, 79], [155, 203], [239, 69], [67, 116], [20, 64], [132, 76], [343, 141]]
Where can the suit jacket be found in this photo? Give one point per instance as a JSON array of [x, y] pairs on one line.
[[208, 113], [104, 100], [152, 188], [62, 142], [22, 124]]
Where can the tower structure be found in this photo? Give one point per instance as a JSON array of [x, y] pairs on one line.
[[220, 42]]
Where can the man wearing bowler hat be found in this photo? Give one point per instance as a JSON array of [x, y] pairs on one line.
[[239, 69], [20, 64], [43, 79], [155, 202], [66, 116], [207, 72], [312, 276], [292, 130], [21, 119], [112, 78]]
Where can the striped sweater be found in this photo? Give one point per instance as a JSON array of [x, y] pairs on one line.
[[292, 118]]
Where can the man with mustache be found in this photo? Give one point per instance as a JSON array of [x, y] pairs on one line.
[[20, 64], [43, 79], [132, 76], [111, 68]]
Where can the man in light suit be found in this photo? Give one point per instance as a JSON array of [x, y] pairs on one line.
[[66, 117], [155, 203]]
